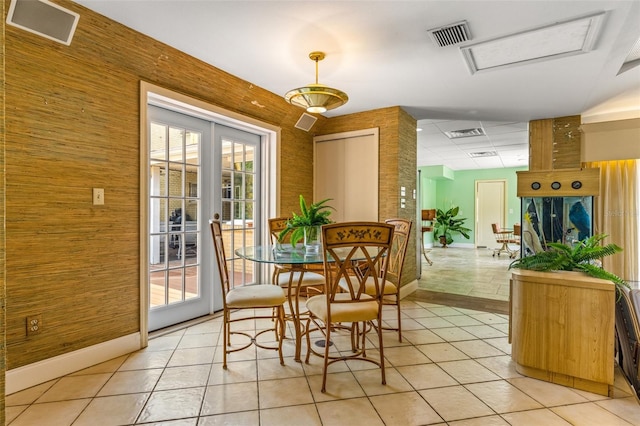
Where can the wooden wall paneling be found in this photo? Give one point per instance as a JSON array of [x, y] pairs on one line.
[[3, 322], [566, 142], [541, 144], [72, 124]]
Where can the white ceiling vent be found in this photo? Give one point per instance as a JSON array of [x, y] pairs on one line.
[[305, 122], [450, 34], [482, 154], [465, 133]]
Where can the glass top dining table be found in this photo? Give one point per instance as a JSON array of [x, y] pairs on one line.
[[272, 254]]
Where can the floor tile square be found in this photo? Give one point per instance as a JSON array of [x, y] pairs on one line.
[[503, 397], [548, 394], [220, 399], [349, 412], [439, 352], [172, 404], [404, 409], [426, 376], [290, 416], [455, 403], [284, 392], [588, 414], [468, 371]]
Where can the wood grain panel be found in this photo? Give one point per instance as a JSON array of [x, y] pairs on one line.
[[73, 124], [589, 179], [562, 328], [566, 142], [541, 144]]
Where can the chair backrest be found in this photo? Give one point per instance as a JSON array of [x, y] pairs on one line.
[[517, 230], [495, 227], [402, 229], [221, 258], [355, 252], [276, 225], [428, 215]]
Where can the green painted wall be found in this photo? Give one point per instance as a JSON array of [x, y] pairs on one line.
[[460, 191]]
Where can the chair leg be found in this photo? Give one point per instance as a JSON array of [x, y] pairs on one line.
[[225, 338], [280, 334], [380, 348], [326, 358], [399, 320]]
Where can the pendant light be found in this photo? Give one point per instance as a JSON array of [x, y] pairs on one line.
[[316, 98]]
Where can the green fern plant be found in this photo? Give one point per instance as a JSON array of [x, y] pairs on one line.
[[583, 256], [314, 214]]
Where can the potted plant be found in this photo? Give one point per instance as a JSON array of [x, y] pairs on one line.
[[584, 256], [562, 315], [306, 225], [446, 224]]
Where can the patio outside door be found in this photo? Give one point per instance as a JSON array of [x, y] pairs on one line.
[[176, 290], [198, 170]]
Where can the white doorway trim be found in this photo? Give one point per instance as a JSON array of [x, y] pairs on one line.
[[151, 93]]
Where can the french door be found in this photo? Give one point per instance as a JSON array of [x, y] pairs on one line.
[[197, 170]]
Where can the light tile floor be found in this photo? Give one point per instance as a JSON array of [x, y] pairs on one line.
[[467, 272], [453, 367]]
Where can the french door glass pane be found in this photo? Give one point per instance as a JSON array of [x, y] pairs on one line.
[[174, 206], [238, 206]]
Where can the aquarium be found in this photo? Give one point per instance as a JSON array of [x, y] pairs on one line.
[[554, 219]]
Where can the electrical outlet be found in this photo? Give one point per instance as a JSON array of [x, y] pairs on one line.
[[34, 324]]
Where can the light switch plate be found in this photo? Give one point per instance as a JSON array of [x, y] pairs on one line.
[[98, 196]]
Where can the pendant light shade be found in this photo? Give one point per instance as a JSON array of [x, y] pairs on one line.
[[316, 98]]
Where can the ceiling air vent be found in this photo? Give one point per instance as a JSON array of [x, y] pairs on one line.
[[482, 154], [465, 133], [450, 34]]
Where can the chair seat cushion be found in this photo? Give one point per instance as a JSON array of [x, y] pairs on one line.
[[344, 312], [370, 287], [258, 295], [308, 278]]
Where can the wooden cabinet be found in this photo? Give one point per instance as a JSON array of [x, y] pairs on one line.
[[562, 328]]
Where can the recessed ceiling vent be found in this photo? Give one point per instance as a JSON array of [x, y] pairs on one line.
[[450, 34], [465, 133], [482, 154]]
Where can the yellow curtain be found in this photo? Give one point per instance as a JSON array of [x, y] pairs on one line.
[[616, 214]]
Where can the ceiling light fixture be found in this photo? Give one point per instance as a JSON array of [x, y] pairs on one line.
[[316, 98]]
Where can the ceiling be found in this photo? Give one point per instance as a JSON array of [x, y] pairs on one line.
[[380, 54]]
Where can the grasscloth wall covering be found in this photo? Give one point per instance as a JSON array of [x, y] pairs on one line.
[[397, 145], [3, 365], [71, 125]]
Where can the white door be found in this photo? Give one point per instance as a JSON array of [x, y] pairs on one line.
[[346, 171], [195, 173], [490, 208]]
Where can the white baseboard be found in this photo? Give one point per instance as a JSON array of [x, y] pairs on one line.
[[409, 288], [24, 377]]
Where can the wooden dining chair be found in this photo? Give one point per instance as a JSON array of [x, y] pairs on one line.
[[402, 230], [354, 253], [427, 217], [297, 280], [248, 300]]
